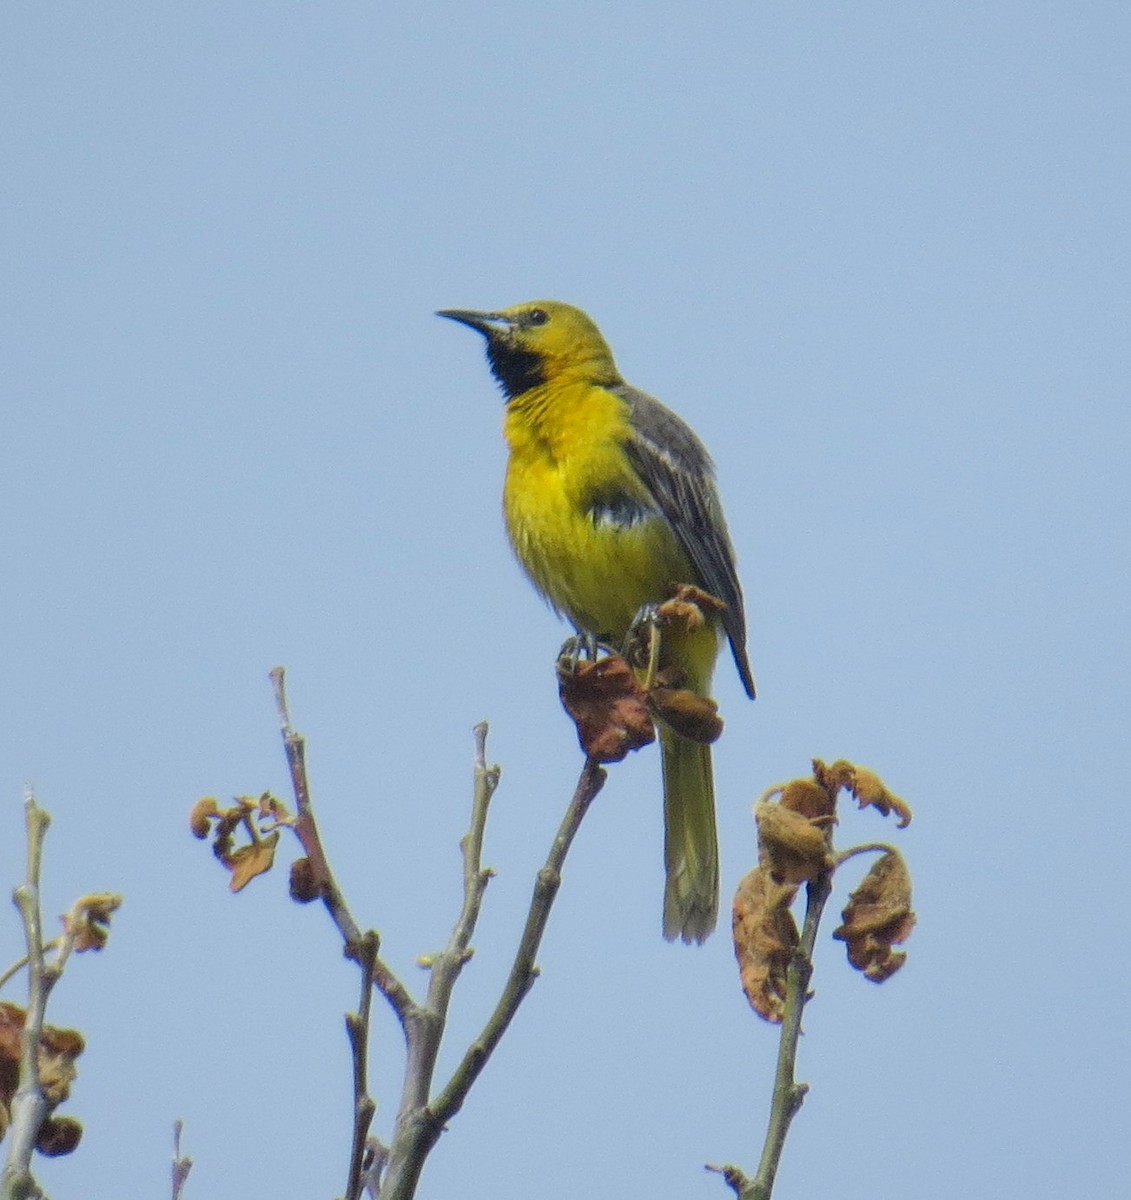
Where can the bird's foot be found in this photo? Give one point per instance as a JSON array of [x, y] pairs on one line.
[[642, 642], [581, 645]]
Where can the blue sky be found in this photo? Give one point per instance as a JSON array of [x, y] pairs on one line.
[[877, 255]]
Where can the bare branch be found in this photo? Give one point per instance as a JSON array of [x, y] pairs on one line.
[[29, 1105], [420, 1123], [306, 829], [357, 1027], [182, 1165], [393, 1172], [428, 1029], [523, 971], [788, 1094]]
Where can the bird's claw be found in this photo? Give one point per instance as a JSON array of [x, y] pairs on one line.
[[646, 615], [574, 649], [642, 642]]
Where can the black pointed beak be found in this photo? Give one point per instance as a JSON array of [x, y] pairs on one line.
[[489, 324]]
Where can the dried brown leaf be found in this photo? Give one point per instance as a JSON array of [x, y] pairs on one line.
[[878, 917], [256, 818], [810, 799], [694, 597], [833, 777], [272, 808], [11, 1031], [58, 1049], [608, 706], [870, 789], [303, 881], [791, 847], [692, 716], [765, 939], [58, 1135], [201, 816], [251, 860], [88, 922]]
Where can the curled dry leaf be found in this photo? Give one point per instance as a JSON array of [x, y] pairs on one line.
[[832, 778], [58, 1049], [692, 716], [688, 596], [810, 799], [791, 847], [866, 786], [608, 706], [200, 818], [303, 882], [88, 922], [765, 938], [683, 612], [11, 1030], [258, 816], [256, 858], [878, 917], [271, 808], [58, 1135], [870, 789]]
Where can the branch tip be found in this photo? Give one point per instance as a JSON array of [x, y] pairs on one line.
[[480, 735]]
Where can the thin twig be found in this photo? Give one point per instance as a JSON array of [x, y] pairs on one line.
[[420, 1123], [425, 1029], [446, 966], [19, 964], [523, 971], [29, 1105], [788, 1094], [866, 848], [306, 829], [373, 1165], [182, 1164], [357, 1027], [367, 1154], [305, 826]]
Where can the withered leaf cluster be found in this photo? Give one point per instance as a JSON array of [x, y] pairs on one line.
[[88, 922], [259, 818], [795, 845], [765, 938], [608, 706], [58, 1049], [867, 788], [878, 917], [614, 701]]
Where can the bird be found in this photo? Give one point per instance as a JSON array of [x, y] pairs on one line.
[[609, 500]]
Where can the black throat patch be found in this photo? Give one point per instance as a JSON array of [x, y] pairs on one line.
[[516, 370]]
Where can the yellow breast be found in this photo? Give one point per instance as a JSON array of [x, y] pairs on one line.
[[566, 453]]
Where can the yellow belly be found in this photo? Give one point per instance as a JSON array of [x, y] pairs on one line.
[[596, 572]]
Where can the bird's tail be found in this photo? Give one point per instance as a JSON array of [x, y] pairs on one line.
[[691, 844]]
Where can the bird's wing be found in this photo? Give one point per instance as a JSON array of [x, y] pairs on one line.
[[673, 464]]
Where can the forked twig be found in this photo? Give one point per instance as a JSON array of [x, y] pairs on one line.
[[420, 1122]]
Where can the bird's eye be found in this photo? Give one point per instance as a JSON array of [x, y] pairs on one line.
[[537, 316]]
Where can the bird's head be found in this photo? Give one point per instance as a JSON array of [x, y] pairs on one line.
[[543, 340]]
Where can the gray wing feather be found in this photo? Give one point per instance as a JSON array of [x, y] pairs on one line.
[[673, 464]]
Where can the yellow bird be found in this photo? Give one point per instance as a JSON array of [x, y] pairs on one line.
[[609, 500]]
